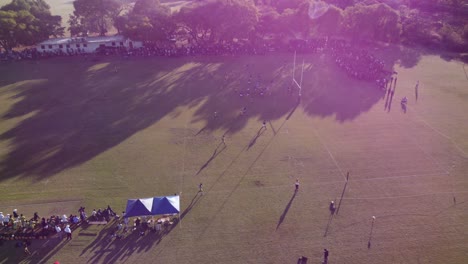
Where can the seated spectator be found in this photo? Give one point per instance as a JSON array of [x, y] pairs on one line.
[[6, 220], [64, 219], [82, 215], [105, 215], [111, 212], [99, 215], [36, 217], [15, 213], [58, 230], [137, 222], [75, 219], [22, 219]]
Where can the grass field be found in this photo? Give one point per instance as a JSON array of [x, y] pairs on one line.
[[73, 132]]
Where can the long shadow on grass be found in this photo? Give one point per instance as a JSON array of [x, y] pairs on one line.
[[68, 111], [41, 251], [341, 197], [213, 156], [108, 249], [285, 212], [254, 139]]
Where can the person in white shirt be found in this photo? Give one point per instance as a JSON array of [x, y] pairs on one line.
[[59, 232], [6, 219], [64, 219], [1, 218], [68, 232]]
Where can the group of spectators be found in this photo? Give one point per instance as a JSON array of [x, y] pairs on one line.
[[360, 65], [356, 62], [18, 226]]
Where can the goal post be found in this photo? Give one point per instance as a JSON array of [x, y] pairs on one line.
[[294, 80]]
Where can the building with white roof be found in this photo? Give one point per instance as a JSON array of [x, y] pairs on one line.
[[86, 44]]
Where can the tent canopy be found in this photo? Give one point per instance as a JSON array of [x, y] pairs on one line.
[[153, 206]]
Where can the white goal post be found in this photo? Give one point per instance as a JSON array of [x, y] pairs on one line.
[[295, 82]]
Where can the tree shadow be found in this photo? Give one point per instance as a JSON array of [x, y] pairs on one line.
[[72, 114], [285, 212]]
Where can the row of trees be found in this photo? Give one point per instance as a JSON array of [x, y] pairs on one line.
[[26, 22], [212, 21]]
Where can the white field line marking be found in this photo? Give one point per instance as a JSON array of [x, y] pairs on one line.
[[402, 196], [465, 155], [351, 198], [329, 153], [444, 168], [441, 174]]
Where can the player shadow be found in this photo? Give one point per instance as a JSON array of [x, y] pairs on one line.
[[213, 156], [194, 202], [341, 198], [330, 219], [389, 107], [370, 235], [285, 212], [254, 139]]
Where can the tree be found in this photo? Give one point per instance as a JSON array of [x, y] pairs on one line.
[[268, 22], [330, 23], [95, 16], [282, 5], [385, 25], [148, 21], [217, 21], [235, 19], [26, 22]]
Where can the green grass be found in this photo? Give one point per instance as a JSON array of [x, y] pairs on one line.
[[75, 133]]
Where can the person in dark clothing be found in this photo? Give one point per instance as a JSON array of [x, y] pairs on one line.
[[36, 217], [332, 207], [325, 255]]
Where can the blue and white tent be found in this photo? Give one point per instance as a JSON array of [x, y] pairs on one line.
[[153, 206]]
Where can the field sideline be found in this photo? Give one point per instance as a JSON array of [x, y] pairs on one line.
[[74, 132]]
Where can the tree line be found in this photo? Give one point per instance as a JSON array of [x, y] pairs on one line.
[[433, 23]]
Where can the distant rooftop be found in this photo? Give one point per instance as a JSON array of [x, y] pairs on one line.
[[56, 41]]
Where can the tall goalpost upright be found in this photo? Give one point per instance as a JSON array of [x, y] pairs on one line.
[[295, 82]]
